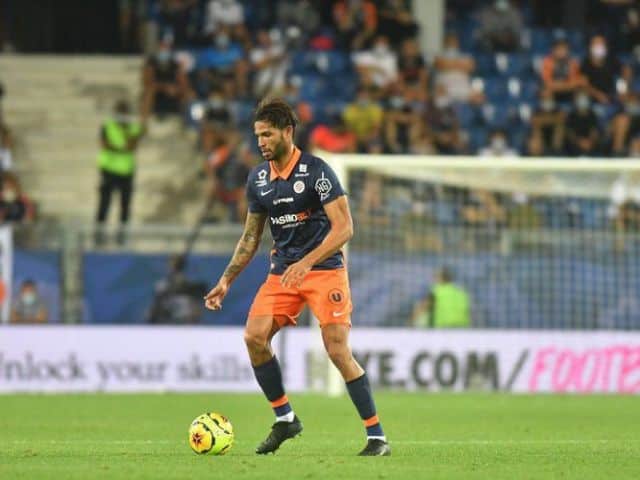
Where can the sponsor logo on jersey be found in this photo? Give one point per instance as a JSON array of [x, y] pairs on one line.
[[262, 178], [323, 187], [278, 201], [298, 187], [290, 219], [303, 167]]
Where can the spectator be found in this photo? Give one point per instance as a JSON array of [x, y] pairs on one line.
[[447, 305], [15, 206], [227, 16], [412, 69], [482, 210], [223, 62], [582, 128], [601, 70], [422, 143], [176, 299], [29, 307], [396, 21], [561, 73], [364, 118], [402, 123], [180, 19], [333, 137], [443, 122], [547, 127], [217, 118], [302, 14], [500, 27], [498, 146], [356, 23], [631, 30], [227, 169], [119, 139], [625, 126], [268, 63], [453, 70], [165, 84], [6, 145], [379, 66], [625, 202]]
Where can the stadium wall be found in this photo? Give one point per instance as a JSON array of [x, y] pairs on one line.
[[139, 359]]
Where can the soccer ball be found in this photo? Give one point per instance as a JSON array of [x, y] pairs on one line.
[[211, 433]]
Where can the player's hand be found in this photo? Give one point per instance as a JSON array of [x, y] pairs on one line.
[[213, 299], [294, 274]]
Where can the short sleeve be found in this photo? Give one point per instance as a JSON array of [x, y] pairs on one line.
[[253, 204], [326, 183]]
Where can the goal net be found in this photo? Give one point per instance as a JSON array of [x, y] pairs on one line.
[[535, 243]]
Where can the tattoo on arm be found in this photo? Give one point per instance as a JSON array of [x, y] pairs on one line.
[[246, 247]]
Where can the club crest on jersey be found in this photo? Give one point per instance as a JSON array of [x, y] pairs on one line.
[[323, 187], [298, 187], [262, 178]]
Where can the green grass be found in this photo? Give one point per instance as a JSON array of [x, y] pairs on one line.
[[433, 436]]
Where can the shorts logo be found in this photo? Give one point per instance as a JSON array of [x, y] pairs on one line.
[[298, 187], [323, 187], [336, 296]]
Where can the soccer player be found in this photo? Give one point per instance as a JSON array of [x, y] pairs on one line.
[[308, 213]]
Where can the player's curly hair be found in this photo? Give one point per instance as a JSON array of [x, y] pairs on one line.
[[277, 112]]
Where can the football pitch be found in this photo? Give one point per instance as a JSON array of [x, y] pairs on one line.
[[433, 436]]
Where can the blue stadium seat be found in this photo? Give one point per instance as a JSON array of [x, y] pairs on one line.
[[313, 87], [496, 89], [541, 41], [511, 65]]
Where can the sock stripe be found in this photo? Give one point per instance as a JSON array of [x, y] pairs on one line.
[[283, 400], [371, 421]]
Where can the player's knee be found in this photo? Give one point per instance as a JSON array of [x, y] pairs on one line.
[[339, 354], [255, 340]]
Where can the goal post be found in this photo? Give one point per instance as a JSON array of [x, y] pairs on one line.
[[537, 243]]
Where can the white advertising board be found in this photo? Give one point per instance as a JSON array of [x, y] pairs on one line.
[[116, 359]]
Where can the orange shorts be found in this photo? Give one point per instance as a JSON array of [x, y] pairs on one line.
[[325, 291]]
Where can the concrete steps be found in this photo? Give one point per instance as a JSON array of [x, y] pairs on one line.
[[55, 106]]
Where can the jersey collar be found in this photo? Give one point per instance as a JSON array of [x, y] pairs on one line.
[[286, 173]]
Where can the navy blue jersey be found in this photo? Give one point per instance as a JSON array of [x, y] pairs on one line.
[[292, 201]]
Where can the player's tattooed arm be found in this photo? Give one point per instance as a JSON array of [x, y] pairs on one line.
[[247, 246]]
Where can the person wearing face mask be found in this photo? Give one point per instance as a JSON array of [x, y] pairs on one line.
[[402, 121], [601, 69], [396, 21], [547, 127], [626, 125], [582, 129], [500, 27], [119, 139], [442, 120], [165, 84], [412, 70], [15, 206], [29, 307], [378, 66], [498, 146], [560, 73], [454, 68], [364, 118], [356, 22]]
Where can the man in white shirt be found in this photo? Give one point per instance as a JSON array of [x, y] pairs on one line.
[[378, 66]]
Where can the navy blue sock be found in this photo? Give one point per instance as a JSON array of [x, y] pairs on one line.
[[360, 393], [269, 377]]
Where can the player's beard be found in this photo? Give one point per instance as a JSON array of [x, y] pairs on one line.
[[279, 151]]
